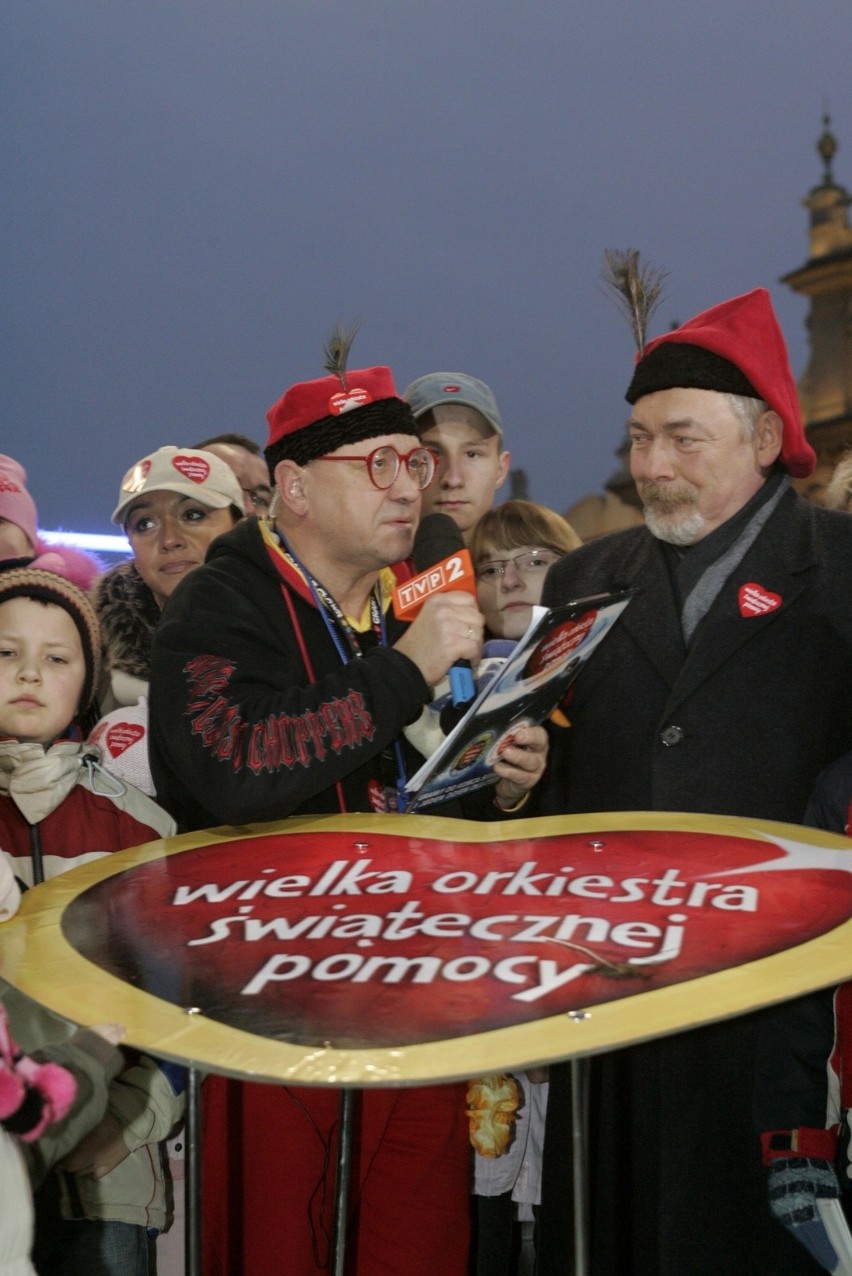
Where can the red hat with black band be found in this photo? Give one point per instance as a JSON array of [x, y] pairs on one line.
[[736, 347], [314, 418]]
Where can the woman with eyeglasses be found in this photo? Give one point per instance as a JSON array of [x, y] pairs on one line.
[[512, 547]]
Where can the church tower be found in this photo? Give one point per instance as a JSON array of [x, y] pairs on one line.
[[825, 387]]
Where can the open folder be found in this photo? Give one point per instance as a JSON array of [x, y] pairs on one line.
[[527, 689]]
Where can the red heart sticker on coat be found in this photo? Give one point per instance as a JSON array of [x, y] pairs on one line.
[[757, 601], [194, 468], [415, 942], [121, 735]]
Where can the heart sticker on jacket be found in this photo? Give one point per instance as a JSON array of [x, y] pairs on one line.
[[121, 736], [757, 601]]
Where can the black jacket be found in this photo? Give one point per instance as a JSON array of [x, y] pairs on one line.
[[239, 731], [740, 723]]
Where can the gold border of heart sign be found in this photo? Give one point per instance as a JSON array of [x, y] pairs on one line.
[[36, 958]]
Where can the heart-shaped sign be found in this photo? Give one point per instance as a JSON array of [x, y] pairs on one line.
[[370, 948]]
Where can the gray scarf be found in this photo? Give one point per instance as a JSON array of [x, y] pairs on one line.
[[704, 593]]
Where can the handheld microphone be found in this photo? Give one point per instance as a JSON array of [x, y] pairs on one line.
[[443, 564]]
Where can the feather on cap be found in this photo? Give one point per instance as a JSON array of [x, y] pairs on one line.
[[638, 289], [337, 351]]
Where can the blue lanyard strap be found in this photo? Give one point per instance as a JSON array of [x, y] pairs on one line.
[[335, 621]]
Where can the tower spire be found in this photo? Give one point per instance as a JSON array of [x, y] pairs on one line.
[[827, 148]]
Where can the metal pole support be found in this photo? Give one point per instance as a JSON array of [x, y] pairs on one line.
[[192, 1185], [341, 1186], [579, 1141]]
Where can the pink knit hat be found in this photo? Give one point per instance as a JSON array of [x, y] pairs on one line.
[[16, 504]]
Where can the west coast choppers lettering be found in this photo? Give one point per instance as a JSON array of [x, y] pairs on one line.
[[643, 943], [279, 740]]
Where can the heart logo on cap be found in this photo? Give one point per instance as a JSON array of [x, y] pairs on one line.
[[194, 468], [346, 400], [757, 601]]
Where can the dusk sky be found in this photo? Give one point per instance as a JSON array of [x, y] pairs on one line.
[[196, 191]]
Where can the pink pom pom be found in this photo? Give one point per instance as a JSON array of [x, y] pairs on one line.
[[76, 565]]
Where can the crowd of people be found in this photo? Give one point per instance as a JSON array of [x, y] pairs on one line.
[[257, 596]]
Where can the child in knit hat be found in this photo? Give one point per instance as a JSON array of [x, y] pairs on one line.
[[59, 808]]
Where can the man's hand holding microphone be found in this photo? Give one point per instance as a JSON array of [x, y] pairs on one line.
[[445, 637]]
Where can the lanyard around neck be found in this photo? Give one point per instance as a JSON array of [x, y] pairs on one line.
[[333, 615], [338, 627]]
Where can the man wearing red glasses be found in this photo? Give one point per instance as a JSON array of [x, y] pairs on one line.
[[281, 684]]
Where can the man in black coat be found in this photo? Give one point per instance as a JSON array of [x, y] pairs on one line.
[[725, 688]]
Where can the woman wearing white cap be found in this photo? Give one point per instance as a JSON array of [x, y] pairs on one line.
[[171, 504]]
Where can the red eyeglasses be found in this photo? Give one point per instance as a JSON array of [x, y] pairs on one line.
[[383, 465]]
